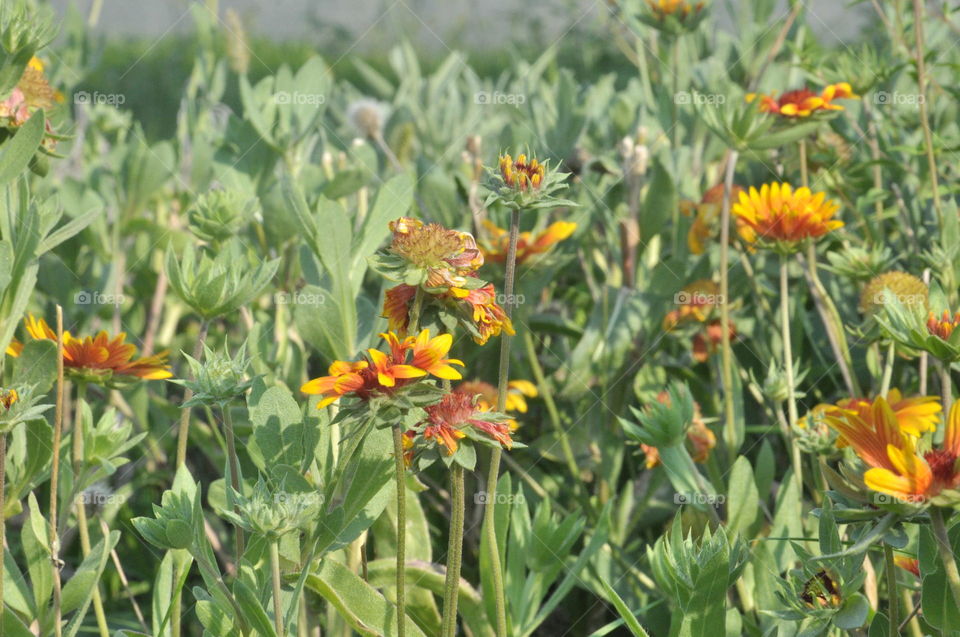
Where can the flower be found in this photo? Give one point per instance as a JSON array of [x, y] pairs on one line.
[[396, 307], [100, 358], [31, 93], [367, 117], [943, 327], [487, 396], [702, 440], [706, 341], [915, 416], [445, 257], [696, 302], [780, 214], [896, 468], [908, 289], [8, 397], [528, 244], [487, 317], [384, 373], [521, 174], [705, 224], [909, 564], [804, 102], [457, 411], [677, 8]]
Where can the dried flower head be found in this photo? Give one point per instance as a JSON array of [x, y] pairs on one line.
[[368, 117], [906, 288]]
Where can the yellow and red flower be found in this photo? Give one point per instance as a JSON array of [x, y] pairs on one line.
[[396, 307], [778, 213], [8, 397], [488, 317], [804, 102], [522, 174], [677, 8], [914, 416], [896, 468], [497, 242], [98, 358], [457, 411], [384, 373], [909, 564], [706, 341], [695, 301]]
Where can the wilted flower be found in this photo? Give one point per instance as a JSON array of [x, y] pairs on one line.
[[777, 213], [7, 398], [497, 242], [367, 116], [31, 93], [456, 416], [98, 359], [709, 338], [440, 258], [383, 374], [485, 316], [804, 102]]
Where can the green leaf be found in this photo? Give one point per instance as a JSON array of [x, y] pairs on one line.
[[628, 618], [36, 365], [659, 203], [853, 613], [363, 608], [281, 435], [78, 592], [743, 499], [16, 153]]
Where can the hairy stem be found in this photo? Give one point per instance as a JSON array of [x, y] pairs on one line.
[[788, 365], [892, 600], [942, 539], [277, 589], [234, 468], [184, 430], [401, 528], [55, 481], [924, 117], [730, 436], [454, 551]]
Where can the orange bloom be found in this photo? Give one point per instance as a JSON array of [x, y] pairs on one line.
[[915, 416], [456, 411], [804, 102], [897, 469], [706, 224], [98, 358], [706, 342], [383, 373], [679, 8], [779, 213], [521, 174], [517, 393], [696, 302], [396, 307], [910, 564], [8, 397], [528, 245], [943, 327]]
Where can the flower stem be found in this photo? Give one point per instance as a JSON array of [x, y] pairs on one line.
[[942, 539], [888, 368], [184, 431], [892, 600], [454, 551], [234, 469], [946, 386], [490, 527], [788, 364], [924, 118], [277, 598], [77, 445], [55, 480], [401, 529], [730, 435], [3, 502]]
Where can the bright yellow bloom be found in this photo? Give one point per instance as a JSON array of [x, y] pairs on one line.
[[708, 212], [528, 245], [804, 102], [429, 354], [8, 397], [343, 378], [778, 213], [98, 357]]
